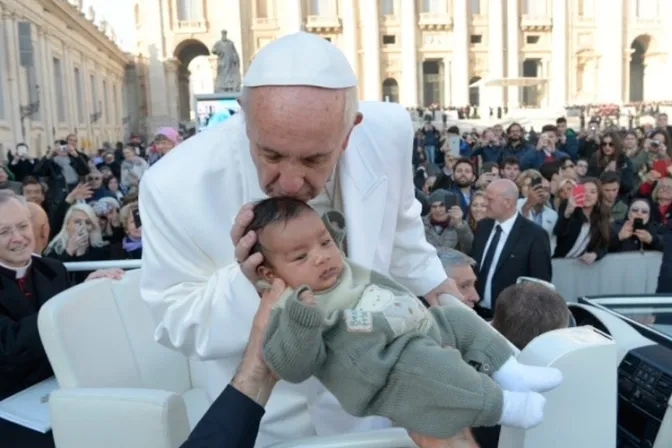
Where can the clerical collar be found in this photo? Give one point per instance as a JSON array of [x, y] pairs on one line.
[[18, 272]]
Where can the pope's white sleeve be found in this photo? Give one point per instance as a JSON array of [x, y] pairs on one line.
[[191, 300], [414, 261]]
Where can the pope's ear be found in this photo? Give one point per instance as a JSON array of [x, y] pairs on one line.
[[358, 119]]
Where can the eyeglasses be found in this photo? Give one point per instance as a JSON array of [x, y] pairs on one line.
[[609, 144], [568, 166], [643, 211]]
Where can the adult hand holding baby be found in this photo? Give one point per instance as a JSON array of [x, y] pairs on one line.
[[243, 243]]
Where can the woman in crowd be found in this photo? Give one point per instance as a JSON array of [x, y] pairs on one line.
[[563, 192], [610, 157], [80, 239], [478, 208], [112, 185], [626, 238], [633, 148], [131, 244], [661, 198], [657, 147], [107, 211], [165, 139], [132, 168], [583, 232]]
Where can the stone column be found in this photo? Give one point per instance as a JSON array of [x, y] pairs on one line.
[[611, 50], [45, 79], [496, 50], [557, 93], [350, 44], [513, 55], [369, 16], [293, 20], [460, 47], [409, 32], [157, 87], [171, 68], [447, 91], [13, 93]]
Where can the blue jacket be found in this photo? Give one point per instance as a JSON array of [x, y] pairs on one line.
[[571, 145], [231, 422], [534, 159], [519, 152], [489, 153]]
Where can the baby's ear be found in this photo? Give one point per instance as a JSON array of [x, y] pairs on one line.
[[265, 273]]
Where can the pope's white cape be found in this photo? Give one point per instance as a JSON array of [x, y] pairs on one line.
[[203, 305]]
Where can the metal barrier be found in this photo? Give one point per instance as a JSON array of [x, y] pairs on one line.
[[78, 266], [621, 273]]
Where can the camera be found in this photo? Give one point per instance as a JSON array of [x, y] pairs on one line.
[[655, 143], [102, 208]]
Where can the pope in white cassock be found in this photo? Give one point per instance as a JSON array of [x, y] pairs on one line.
[[303, 133]]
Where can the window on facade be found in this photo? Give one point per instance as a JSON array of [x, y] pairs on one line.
[[534, 8], [184, 10], [389, 39], [79, 96], [475, 6], [58, 90], [28, 60], [115, 112], [387, 7], [476, 38], [435, 6], [94, 95], [647, 9], [534, 39], [262, 9], [105, 104]]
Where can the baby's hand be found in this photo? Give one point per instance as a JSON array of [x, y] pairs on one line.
[[307, 298]]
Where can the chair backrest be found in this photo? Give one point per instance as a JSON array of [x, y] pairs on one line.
[[581, 412], [100, 334]]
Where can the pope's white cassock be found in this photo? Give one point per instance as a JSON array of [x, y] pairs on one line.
[[202, 303]]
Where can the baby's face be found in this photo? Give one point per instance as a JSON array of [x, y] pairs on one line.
[[301, 252]]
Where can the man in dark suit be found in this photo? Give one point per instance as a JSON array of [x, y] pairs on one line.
[[507, 246], [27, 281]]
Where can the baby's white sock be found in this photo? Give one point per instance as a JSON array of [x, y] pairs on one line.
[[513, 376], [522, 409]]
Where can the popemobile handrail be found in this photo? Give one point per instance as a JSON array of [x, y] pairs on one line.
[[77, 266]]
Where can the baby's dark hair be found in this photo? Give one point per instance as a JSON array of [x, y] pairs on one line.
[[274, 210]]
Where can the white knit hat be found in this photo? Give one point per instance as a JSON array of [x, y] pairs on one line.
[[300, 59]]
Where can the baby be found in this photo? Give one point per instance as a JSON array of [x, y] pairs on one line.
[[375, 346]]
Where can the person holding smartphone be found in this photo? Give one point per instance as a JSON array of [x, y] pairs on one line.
[[637, 231], [583, 230]]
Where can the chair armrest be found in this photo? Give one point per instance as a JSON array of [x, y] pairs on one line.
[[383, 438], [113, 418]]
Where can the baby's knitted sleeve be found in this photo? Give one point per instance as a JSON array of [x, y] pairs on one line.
[[294, 348]]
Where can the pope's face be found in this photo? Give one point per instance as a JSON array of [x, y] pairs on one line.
[[296, 137]]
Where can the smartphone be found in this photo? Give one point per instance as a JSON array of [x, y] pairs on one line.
[[638, 224], [578, 193], [451, 201], [654, 143], [535, 181], [661, 167], [454, 145], [136, 218]]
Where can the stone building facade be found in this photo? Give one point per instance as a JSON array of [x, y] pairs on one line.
[[59, 74], [519, 53]]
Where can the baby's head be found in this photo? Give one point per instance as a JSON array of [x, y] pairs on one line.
[[295, 243]]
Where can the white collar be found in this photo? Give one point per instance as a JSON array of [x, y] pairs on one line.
[[20, 272], [507, 225]]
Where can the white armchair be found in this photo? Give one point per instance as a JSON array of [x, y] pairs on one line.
[[119, 388]]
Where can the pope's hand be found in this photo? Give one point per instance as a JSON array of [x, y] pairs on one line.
[[243, 243], [447, 287]]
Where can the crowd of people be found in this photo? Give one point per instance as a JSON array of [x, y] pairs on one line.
[[593, 193], [492, 208]]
